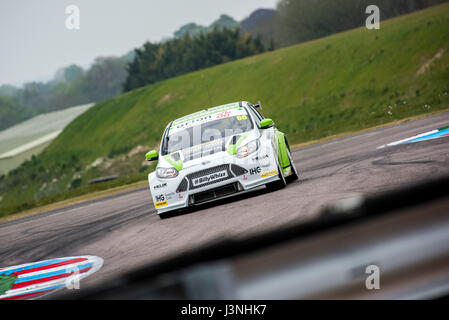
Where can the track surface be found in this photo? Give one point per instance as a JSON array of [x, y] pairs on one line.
[[125, 231]]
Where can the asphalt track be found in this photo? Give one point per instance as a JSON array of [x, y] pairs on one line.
[[125, 231]]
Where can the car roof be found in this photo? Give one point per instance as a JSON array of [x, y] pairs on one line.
[[207, 112]]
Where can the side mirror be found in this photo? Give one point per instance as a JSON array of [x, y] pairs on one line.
[[152, 155], [266, 123]]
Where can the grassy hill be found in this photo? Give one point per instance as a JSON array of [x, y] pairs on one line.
[[346, 82]]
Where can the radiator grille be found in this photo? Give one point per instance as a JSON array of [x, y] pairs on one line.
[[214, 193], [237, 170], [183, 186], [195, 175], [232, 170]]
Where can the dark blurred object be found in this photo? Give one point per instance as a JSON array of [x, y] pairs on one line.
[[405, 233], [102, 179]]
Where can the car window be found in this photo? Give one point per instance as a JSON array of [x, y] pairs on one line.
[[258, 113], [255, 115], [211, 128]]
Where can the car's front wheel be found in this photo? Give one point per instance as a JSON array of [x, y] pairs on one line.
[[277, 185], [167, 215], [294, 175]]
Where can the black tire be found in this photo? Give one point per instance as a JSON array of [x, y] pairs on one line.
[[294, 175], [166, 215], [277, 185]]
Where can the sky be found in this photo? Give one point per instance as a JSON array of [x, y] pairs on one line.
[[35, 42]]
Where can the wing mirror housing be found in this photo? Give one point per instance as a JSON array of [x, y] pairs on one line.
[[266, 123], [152, 156]]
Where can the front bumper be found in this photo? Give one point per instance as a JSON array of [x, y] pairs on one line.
[[230, 175]]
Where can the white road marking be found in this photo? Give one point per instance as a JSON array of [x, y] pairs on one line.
[[408, 139]]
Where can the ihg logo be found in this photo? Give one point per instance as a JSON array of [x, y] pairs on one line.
[[254, 171]]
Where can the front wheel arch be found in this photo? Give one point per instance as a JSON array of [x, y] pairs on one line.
[[283, 148]]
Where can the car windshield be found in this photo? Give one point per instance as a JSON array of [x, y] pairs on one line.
[[212, 129]]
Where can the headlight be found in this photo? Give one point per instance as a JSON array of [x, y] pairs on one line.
[[166, 173], [247, 149]]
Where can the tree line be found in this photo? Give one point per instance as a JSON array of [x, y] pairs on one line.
[[158, 61], [303, 20]]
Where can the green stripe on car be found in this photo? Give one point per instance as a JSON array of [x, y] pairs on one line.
[[232, 148], [282, 150], [176, 164]]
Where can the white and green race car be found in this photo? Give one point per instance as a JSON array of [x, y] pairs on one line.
[[217, 153]]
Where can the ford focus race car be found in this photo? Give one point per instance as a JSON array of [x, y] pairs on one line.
[[216, 153]]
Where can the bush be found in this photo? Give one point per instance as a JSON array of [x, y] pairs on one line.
[[75, 183]]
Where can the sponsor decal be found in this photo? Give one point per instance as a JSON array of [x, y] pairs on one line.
[[269, 173], [160, 198], [169, 195], [210, 178], [245, 177], [258, 158], [160, 186], [194, 122], [262, 160], [215, 110], [227, 111], [255, 170], [36, 279], [160, 204], [224, 114]]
